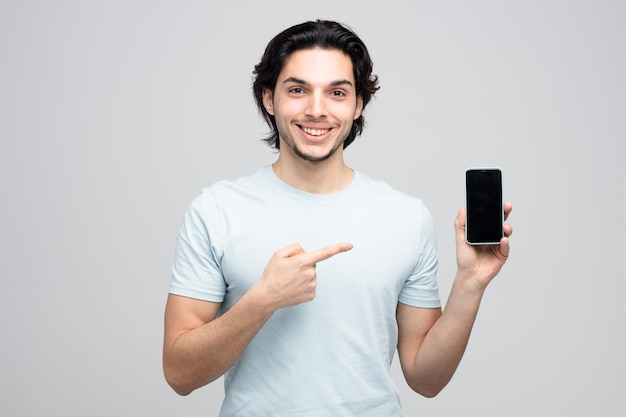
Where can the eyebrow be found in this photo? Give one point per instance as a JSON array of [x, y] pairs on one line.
[[336, 83]]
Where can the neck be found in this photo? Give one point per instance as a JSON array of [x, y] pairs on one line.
[[326, 177]]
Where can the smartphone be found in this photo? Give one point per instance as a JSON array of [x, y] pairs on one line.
[[484, 208]]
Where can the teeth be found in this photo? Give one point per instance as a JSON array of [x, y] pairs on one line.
[[315, 132]]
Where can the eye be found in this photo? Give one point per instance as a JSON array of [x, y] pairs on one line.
[[338, 93], [296, 90]]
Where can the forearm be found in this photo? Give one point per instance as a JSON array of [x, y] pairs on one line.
[[441, 351], [199, 348], [430, 353], [199, 356]]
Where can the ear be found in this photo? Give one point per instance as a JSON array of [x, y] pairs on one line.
[[268, 101], [359, 107]]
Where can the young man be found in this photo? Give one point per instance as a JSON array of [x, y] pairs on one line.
[[300, 281]]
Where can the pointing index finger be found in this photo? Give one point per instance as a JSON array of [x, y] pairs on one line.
[[328, 252]]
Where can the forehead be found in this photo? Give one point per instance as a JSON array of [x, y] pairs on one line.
[[318, 65]]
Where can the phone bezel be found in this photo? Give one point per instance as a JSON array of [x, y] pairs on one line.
[[487, 168]]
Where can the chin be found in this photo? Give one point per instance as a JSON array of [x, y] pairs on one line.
[[313, 157], [318, 156]]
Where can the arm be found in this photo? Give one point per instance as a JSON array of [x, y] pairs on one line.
[[430, 343], [199, 347]]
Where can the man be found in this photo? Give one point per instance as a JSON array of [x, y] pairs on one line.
[[299, 281]]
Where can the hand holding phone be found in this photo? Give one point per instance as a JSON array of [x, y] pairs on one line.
[[484, 206]]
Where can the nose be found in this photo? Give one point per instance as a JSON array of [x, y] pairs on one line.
[[316, 106]]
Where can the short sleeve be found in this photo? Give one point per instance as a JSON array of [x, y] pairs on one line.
[[196, 270], [420, 289]]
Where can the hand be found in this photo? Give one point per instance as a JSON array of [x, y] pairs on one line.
[[481, 263], [290, 277]]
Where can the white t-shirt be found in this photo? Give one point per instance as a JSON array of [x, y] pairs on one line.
[[331, 356]]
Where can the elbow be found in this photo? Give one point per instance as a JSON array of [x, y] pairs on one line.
[[428, 383], [180, 390], [176, 382], [427, 390], [184, 383], [429, 393]]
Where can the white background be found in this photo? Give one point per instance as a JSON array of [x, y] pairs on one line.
[[114, 114]]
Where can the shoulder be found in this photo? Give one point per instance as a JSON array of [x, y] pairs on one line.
[[382, 191], [234, 190], [394, 207]]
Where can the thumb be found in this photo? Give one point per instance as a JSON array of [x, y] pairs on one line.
[[459, 225], [289, 251]]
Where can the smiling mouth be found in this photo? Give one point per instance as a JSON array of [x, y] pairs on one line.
[[314, 132]]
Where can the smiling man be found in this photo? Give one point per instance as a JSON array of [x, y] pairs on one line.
[[300, 281], [312, 105]]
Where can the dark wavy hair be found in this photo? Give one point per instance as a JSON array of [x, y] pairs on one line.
[[323, 34]]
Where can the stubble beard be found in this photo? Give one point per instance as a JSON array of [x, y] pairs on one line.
[[286, 138], [298, 152]]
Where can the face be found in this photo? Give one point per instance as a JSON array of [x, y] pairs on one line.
[[314, 103]]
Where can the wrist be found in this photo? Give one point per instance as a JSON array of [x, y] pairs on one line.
[[261, 300], [469, 283]]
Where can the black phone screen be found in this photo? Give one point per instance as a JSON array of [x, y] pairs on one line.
[[484, 206]]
